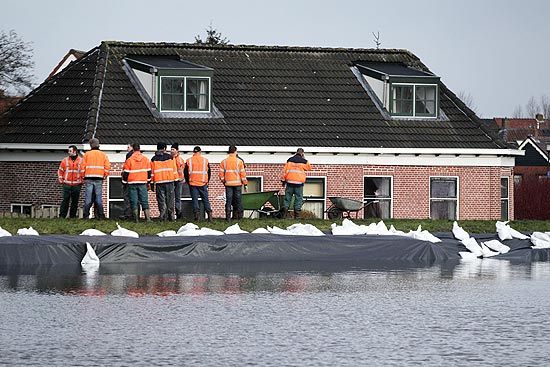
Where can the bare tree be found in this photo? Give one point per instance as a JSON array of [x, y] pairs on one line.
[[545, 106], [16, 65], [518, 112], [468, 100], [532, 108], [377, 41], [213, 37]]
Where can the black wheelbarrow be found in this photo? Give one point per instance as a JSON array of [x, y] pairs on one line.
[[343, 207]]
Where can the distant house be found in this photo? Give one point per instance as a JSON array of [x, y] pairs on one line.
[[376, 125]]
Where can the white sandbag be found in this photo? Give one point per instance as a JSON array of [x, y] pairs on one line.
[[496, 245], [467, 255], [503, 231], [381, 228], [517, 234], [427, 236], [472, 245], [304, 230], [4, 233], [277, 230], [396, 232], [90, 257], [168, 233], [234, 229], [209, 232], [188, 227], [260, 230], [540, 240], [123, 232], [459, 232], [92, 232], [349, 228], [27, 232], [487, 252]]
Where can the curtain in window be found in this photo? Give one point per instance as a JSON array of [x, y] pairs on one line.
[[203, 95]]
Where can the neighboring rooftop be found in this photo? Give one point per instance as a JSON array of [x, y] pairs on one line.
[[263, 96]]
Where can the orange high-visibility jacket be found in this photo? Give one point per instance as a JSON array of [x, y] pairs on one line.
[[232, 171], [95, 164], [69, 171], [137, 169], [197, 168], [180, 163], [164, 171], [294, 171]]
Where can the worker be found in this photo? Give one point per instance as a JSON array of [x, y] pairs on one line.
[[127, 209], [178, 183], [136, 175], [163, 176], [69, 176], [94, 170], [197, 175], [232, 175], [293, 178]]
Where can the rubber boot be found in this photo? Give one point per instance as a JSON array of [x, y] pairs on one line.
[[136, 215], [196, 214], [178, 214], [297, 214], [228, 216], [235, 215], [147, 216], [284, 211], [209, 216], [241, 214]]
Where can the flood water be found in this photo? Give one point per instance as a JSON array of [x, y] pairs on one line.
[[482, 313]]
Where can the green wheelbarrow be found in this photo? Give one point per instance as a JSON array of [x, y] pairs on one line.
[[256, 202]]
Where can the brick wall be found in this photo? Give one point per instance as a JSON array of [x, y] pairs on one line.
[[479, 187]]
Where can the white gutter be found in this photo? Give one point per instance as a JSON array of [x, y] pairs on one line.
[[283, 149]]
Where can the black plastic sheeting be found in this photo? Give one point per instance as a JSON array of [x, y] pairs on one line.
[[259, 250]]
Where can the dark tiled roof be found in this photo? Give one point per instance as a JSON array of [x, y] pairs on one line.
[[282, 96]]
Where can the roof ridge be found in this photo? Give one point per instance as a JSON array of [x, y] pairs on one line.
[[97, 92], [253, 47]]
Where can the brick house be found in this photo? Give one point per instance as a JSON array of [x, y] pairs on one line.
[[376, 125]]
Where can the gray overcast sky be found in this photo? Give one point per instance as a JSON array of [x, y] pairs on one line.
[[497, 51]]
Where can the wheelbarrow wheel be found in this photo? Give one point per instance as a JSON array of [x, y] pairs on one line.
[[334, 213]]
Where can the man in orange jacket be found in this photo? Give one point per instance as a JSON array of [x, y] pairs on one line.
[[164, 174], [94, 169], [137, 174], [197, 175], [233, 176], [178, 183], [69, 176], [293, 178]]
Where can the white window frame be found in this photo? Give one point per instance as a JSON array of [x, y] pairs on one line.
[[457, 195], [22, 206], [365, 200], [391, 101], [109, 200], [49, 206], [159, 97], [507, 198], [323, 200]]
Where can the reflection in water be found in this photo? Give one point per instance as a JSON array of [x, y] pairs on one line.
[[169, 279]]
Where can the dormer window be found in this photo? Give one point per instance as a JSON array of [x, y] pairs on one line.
[[403, 91], [174, 85]]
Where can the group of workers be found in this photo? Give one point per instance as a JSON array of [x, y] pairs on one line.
[[165, 174]]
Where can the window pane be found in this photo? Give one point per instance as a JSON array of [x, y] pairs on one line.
[[443, 187], [378, 187], [172, 94], [166, 86], [166, 101], [314, 187], [177, 102], [504, 188], [381, 209], [402, 99], [425, 100], [115, 188], [192, 103], [504, 209], [177, 86], [443, 209], [254, 184]]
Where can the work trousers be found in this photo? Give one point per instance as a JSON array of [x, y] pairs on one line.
[[165, 200], [93, 190], [233, 197], [201, 191], [178, 190], [70, 194], [137, 194], [298, 192]]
